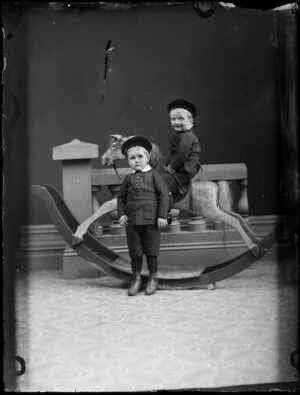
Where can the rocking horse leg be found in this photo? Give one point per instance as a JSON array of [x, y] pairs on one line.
[[215, 213], [244, 225], [204, 201], [106, 207]]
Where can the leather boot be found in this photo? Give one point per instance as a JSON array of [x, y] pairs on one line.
[[135, 287], [152, 284]]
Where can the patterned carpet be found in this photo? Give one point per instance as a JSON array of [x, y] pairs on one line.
[[88, 335]]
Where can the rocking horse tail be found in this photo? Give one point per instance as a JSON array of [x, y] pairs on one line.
[[224, 196]]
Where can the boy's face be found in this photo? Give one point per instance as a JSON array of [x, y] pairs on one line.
[[138, 158], [181, 120]]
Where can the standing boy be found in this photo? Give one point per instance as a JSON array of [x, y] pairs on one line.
[[143, 204]]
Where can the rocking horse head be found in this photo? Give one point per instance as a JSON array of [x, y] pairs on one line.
[[114, 151]]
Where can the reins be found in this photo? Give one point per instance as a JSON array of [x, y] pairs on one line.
[[117, 173]]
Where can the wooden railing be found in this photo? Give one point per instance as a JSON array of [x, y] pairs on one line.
[[82, 186]]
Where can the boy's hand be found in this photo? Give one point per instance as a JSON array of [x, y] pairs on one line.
[[123, 220], [162, 223]]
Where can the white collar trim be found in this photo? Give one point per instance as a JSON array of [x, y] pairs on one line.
[[146, 168]]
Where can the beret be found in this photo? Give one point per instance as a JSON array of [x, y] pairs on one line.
[[180, 103], [136, 141]]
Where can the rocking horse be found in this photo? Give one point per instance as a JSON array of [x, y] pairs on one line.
[[209, 199], [212, 200]]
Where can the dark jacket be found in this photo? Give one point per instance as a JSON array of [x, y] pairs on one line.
[[143, 198], [185, 153]]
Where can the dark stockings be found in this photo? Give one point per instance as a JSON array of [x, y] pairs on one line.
[[152, 263], [136, 264]]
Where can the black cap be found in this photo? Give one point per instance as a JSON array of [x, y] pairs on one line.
[[180, 103], [136, 141]]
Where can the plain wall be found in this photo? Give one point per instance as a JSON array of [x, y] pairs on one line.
[[225, 65]]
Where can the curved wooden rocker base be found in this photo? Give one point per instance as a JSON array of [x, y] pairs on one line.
[[109, 262]]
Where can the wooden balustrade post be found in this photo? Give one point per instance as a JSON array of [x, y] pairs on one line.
[[77, 192], [243, 206], [219, 225], [209, 224], [115, 228], [96, 226], [196, 224]]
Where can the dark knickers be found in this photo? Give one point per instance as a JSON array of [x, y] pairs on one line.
[[143, 239]]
